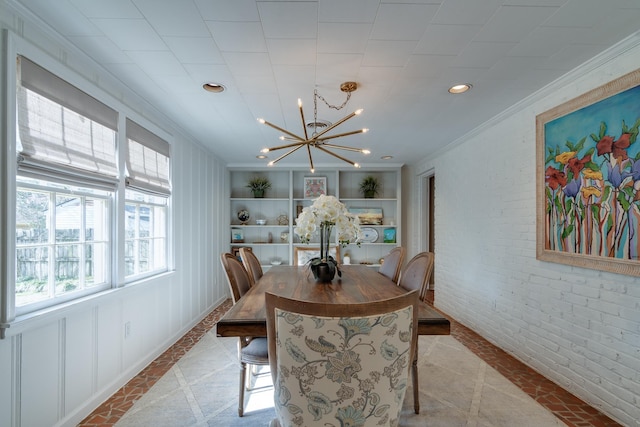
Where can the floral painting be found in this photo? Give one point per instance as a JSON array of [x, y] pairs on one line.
[[589, 179]]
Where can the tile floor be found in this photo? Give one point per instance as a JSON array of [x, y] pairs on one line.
[[566, 407]]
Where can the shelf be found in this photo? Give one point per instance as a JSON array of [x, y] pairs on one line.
[[254, 199], [375, 199], [257, 226], [285, 197]]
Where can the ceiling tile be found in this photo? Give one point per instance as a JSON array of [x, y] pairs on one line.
[[158, 63], [446, 39], [512, 23], [238, 36], [546, 41], [289, 19], [65, 17], [194, 50], [482, 54], [131, 34], [123, 9], [248, 63], [292, 52], [101, 49], [343, 38], [228, 10], [402, 21], [388, 53], [352, 11], [579, 13], [465, 12], [173, 18]]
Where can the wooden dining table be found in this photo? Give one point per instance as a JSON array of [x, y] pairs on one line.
[[358, 284]]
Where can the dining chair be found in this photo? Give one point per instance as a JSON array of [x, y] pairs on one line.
[[251, 264], [392, 264], [302, 254], [348, 362], [251, 351], [415, 277]]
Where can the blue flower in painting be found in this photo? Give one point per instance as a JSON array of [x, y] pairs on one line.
[[572, 188], [635, 170], [616, 176]]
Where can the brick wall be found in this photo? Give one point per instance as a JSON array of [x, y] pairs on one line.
[[578, 327]]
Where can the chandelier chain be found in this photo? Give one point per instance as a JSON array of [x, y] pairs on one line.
[[316, 95]]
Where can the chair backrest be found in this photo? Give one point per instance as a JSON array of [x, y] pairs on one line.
[[416, 273], [237, 277], [251, 264], [392, 264], [302, 254], [341, 361]]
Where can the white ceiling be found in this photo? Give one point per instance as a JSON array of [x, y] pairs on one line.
[[404, 55]]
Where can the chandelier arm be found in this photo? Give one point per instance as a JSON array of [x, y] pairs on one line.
[[336, 124], [335, 155], [342, 147], [282, 130], [293, 144], [339, 135], [310, 159], [304, 128], [286, 154]]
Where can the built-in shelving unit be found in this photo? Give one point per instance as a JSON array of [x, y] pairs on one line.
[[275, 241]]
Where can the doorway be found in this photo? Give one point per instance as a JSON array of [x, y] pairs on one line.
[[427, 223]]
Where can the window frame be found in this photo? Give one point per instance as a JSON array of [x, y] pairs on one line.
[[52, 244], [143, 275]]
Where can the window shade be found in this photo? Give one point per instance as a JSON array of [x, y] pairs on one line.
[[65, 134], [147, 161]]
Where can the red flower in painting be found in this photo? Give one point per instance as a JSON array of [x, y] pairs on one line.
[[620, 146], [555, 178], [617, 148], [605, 145], [576, 165]]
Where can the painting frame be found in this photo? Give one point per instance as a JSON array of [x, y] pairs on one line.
[[314, 186], [586, 150]]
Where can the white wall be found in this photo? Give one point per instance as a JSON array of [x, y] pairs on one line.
[[578, 327], [57, 367]]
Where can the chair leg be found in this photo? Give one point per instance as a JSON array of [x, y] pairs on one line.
[[416, 387], [243, 373]]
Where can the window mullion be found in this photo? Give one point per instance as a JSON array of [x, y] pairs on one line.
[[51, 280], [82, 242]]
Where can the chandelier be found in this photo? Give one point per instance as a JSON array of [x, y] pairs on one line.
[[319, 140]]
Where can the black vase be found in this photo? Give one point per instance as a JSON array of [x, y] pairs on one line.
[[324, 272]]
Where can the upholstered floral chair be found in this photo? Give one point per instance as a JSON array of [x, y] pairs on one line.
[[339, 364]]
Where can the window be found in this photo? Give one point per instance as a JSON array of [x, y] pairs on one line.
[[145, 234], [67, 177], [148, 188], [62, 243]]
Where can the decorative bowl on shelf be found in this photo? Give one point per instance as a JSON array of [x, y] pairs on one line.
[[261, 221], [276, 262]]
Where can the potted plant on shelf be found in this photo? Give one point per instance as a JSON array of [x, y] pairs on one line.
[[258, 185], [369, 187]]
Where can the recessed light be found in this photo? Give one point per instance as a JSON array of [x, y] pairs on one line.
[[461, 88], [261, 156], [386, 157], [213, 87]]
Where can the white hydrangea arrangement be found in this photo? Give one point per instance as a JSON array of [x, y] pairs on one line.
[[322, 216]]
